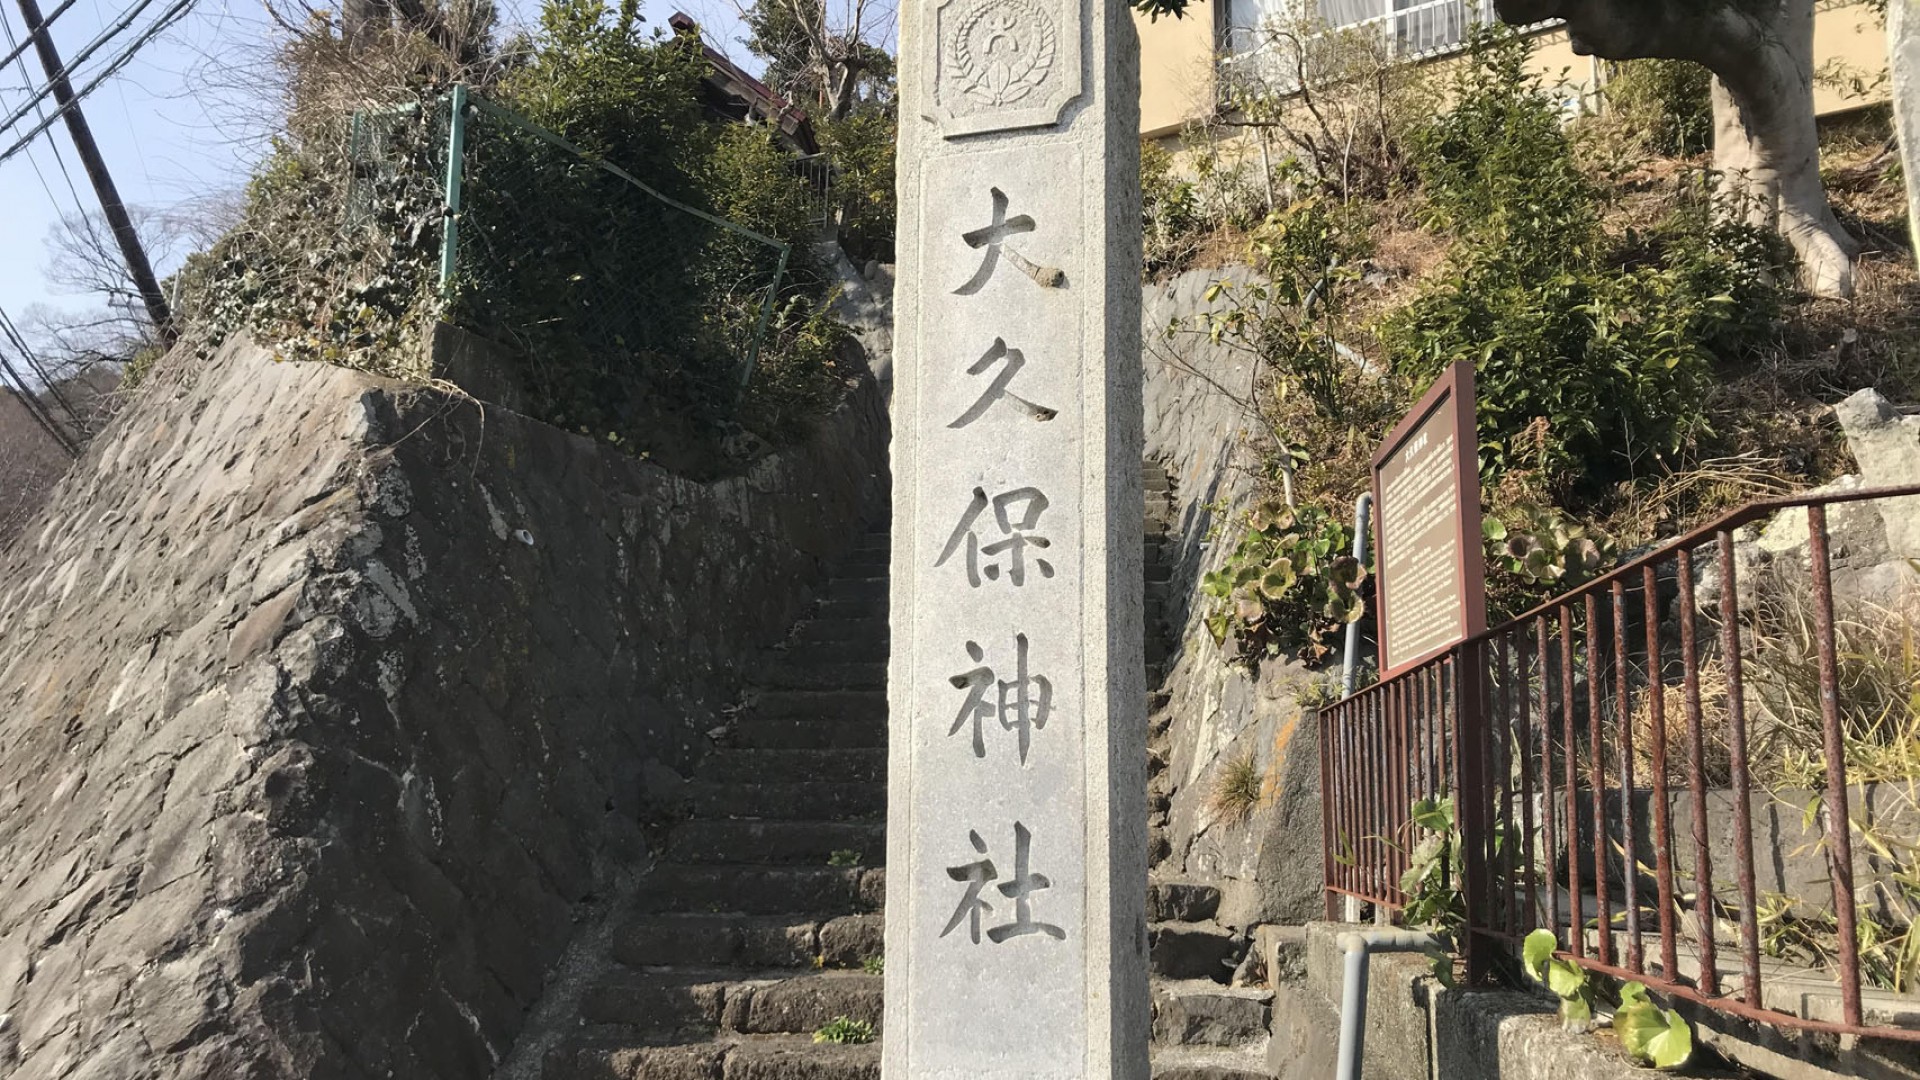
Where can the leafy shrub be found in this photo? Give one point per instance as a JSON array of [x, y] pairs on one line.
[[862, 147], [1609, 347], [1534, 552], [632, 318], [751, 182], [1171, 223], [1289, 584], [1666, 104], [626, 94], [1305, 257]]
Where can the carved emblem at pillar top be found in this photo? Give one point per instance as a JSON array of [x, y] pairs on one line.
[[1001, 64]]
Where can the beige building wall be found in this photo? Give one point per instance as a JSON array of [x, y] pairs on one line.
[[1177, 64], [1176, 69]]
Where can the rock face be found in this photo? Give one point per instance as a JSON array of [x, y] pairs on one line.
[[1212, 716], [326, 703]]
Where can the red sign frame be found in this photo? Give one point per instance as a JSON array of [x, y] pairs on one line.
[[1453, 391]]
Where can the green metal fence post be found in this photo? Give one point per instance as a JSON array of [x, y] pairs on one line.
[[456, 157], [766, 316]]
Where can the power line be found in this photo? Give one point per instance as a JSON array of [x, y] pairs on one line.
[[67, 69], [59, 158], [40, 371], [20, 47], [111, 206], [166, 19], [35, 409]]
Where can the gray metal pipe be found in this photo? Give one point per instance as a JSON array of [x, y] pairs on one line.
[[1356, 948], [1350, 656]]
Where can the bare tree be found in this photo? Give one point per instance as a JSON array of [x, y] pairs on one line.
[[1765, 144], [828, 53], [83, 259]]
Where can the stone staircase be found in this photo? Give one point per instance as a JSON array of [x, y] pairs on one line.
[[761, 923]]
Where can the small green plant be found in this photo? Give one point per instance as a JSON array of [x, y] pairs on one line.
[[1568, 980], [844, 857], [845, 1030], [874, 965], [1288, 586], [1651, 1035], [1534, 551], [1236, 791], [1435, 868]]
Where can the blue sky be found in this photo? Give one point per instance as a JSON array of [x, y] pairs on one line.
[[187, 119]]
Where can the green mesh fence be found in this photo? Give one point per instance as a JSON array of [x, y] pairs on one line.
[[611, 290]]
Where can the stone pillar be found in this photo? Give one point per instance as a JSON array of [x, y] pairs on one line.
[[1016, 823], [1903, 65]]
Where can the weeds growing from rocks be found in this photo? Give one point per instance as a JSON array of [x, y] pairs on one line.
[[846, 1031], [1236, 791]]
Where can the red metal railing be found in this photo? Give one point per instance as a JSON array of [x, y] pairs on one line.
[[1531, 728]]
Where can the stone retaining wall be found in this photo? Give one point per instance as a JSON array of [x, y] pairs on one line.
[[327, 703], [1198, 426]]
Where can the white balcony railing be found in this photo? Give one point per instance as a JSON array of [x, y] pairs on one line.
[[1412, 31]]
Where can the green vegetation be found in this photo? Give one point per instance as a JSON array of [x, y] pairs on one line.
[[1289, 586], [844, 857], [1666, 105], [841, 1029], [632, 321], [1649, 1034], [1641, 361], [874, 965], [1435, 868]]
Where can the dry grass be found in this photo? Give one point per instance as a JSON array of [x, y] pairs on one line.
[[1236, 790], [1716, 759]]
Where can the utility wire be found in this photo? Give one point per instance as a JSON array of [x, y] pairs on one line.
[[59, 158], [166, 19], [20, 47], [67, 69], [18, 386], [40, 370]]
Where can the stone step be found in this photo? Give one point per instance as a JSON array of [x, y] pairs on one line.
[[1194, 950], [805, 1004], [1211, 1063], [829, 704], [684, 1004], [763, 1057], [792, 734], [683, 940], [866, 633], [761, 890], [1181, 901], [732, 765], [867, 608], [848, 941], [801, 800], [804, 843], [861, 586], [789, 673], [1204, 1013], [658, 1007], [765, 941]]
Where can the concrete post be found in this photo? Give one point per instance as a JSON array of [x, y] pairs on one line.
[[1016, 828]]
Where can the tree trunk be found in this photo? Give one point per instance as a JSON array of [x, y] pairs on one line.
[[1765, 142], [1767, 151]]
